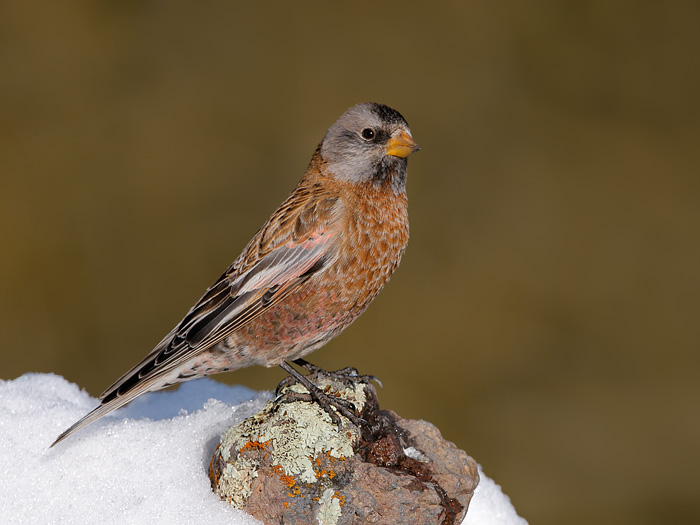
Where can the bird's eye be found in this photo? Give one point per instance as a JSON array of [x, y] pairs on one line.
[[368, 133]]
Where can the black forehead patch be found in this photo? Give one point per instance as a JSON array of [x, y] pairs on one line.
[[387, 114]]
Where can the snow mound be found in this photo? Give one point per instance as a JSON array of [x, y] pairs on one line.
[[145, 463]]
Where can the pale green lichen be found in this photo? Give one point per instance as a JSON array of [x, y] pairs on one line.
[[329, 508], [293, 434], [235, 482]]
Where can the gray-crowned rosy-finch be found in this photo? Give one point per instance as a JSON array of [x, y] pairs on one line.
[[309, 272]]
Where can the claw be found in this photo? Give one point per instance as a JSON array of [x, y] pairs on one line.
[[376, 380]]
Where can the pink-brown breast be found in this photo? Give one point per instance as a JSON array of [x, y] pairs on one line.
[[373, 237]]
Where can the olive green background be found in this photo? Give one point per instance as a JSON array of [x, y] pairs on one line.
[[545, 316]]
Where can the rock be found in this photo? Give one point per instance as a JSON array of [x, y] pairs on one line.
[[290, 464]]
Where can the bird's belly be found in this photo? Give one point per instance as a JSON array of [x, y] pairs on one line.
[[303, 321], [297, 325]]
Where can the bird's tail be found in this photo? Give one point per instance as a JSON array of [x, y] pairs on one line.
[[113, 402]]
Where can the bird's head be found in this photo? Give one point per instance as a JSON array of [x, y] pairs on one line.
[[369, 143]]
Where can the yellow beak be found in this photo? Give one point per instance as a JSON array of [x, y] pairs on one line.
[[401, 145]]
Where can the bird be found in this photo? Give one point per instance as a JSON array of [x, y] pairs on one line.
[[305, 276]]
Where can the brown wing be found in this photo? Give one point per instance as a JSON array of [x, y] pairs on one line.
[[296, 242]]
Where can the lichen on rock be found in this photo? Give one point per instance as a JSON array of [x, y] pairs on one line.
[[329, 508], [289, 463]]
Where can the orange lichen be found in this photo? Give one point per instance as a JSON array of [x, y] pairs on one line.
[[214, 474], [328, 471], [287, 480], [339, 497], [324, 472], [294, 493], [251, 445]]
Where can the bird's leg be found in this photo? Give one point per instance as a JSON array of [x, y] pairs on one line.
[[331, 405], [309, 367], [312, 369], [290, 379]]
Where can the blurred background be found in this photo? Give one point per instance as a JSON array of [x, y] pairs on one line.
[[545, 316]]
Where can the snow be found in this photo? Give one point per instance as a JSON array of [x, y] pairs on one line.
[[489, 506], [145, 463]]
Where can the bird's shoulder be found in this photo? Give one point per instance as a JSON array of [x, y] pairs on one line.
[[315, 207]]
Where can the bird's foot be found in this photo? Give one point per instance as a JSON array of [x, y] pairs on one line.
[[331, 404]]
